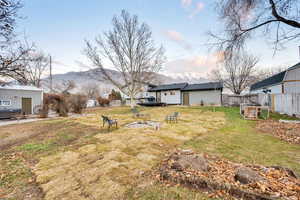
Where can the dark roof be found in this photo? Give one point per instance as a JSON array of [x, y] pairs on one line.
[[273, 80], [295, 66], [174, 86], [204, 86]]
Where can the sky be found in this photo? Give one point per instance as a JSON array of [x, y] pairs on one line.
[[59, 28]]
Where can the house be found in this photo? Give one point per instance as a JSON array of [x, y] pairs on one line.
[[25, 98], [188, 94], [284, 82]]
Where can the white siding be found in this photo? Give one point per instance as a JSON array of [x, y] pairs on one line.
[[292, 81], [15, 96], [208, 97], [287, 104], [275, 89], [168, 98]]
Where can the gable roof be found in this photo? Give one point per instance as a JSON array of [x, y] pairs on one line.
[[20, 87], [174, 86], [273, 80], [294, 67], [204, 86]]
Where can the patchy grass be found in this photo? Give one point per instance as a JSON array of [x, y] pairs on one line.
[[239, 141], [75, 158]]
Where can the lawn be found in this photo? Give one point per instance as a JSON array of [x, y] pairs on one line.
[[76, 158]]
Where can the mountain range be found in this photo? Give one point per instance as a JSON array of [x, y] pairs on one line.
[[84, 78]]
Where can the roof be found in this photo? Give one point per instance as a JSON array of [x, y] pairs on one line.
[[294, 67], [20, 87], [273, 80], [204, 86], [174, 86]]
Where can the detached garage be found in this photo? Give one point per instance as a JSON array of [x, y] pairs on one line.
[[204, 93], [25, 98], [189, 94]]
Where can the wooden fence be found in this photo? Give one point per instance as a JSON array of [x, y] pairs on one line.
[[286, 103], [237, 100]]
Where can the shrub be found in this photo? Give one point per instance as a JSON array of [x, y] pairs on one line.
[[77, 103], [103, 101], [55, 102]]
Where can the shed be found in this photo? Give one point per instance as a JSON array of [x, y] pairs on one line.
[[26, 98], [204, 93], [189, 94]]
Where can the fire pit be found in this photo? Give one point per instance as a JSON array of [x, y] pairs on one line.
[[144, 124]]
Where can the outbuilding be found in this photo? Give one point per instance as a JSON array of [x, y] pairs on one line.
[[188, 94], [25, 98], [286, 82]]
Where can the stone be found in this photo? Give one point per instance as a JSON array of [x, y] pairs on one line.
[[195, 162], [245, 175]]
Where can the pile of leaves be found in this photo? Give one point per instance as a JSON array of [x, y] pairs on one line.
[[289, 132], [218, 177]]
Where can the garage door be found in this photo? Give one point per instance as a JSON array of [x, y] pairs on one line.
[[26, 106]]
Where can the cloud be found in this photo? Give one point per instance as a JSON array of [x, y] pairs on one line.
[[179, 39], [198, 8], [198, 64], [186, 3]]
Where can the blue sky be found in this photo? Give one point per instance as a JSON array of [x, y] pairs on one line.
[[59, 28]]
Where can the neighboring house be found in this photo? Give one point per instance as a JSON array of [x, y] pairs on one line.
[[284, 82], [26, 98], [188, 94]]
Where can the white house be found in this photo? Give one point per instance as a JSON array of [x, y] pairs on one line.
[[188, 94], [284, 82], [26, 98]]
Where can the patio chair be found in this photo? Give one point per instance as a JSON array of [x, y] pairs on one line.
[[109, 121], [172, 118]]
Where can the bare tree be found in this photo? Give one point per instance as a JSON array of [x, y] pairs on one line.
[[91, 90], [36, 65], [129, 49], [279, 20], [237, 72], [13, 60], [65, 87], [8, 15]]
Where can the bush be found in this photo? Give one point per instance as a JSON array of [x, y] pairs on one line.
[[103, 101], [55, 102], [77, 103]]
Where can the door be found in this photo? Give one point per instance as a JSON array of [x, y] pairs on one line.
[[186, 99], [158, 97], [26, 106]]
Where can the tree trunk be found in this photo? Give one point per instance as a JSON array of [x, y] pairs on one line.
[[132, 101]]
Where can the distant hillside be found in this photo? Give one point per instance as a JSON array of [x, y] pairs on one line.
[[84, 78]]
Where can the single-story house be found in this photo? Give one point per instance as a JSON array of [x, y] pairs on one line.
[[188, 94], [284, 82], [26, 98]]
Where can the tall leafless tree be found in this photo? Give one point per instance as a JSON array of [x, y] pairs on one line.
[[129, 49], [36, 64], [277, 20], [13, 59], [8, 15], [237, 72]]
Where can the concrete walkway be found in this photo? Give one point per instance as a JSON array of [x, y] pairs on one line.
[[23, 121]]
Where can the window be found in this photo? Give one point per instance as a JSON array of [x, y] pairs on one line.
[[5, 102], [172, 93]]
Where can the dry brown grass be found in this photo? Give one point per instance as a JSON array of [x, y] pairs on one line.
[[114, 161]]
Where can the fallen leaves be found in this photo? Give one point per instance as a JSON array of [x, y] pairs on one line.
[[289, 132], [219, 181]]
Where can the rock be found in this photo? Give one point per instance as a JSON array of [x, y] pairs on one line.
[[195, 162], [246, 175]]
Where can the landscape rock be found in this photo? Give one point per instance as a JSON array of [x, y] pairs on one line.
[[195, 162], [246, 175]]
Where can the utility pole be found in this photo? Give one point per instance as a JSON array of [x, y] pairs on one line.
[[51, 74]]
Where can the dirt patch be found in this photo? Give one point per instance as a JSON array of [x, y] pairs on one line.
[[223, 178], [288, 132]]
